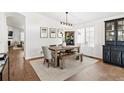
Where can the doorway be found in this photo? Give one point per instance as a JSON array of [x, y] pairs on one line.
[[16, 44], [16, 29]]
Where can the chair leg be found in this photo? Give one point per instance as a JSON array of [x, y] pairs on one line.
[[44, 61], [48, 64], [54, 62], [47, 61]]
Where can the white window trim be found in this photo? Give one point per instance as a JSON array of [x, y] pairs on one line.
[[86, 43]]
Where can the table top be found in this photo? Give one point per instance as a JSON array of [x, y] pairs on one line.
[[55, 48]]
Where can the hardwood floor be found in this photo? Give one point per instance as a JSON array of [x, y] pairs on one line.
[[100, 72], [21, 70]]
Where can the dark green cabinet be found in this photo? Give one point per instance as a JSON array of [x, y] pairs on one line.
[[113, 50], [113, 55]]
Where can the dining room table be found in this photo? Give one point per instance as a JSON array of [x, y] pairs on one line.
[[57, 49]]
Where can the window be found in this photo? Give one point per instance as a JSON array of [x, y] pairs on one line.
[[81, 36], [22, 36], [90, 36], [86, 36]]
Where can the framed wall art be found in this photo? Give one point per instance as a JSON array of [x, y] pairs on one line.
[[43, 32], [59, 33], [52, 32], [69, 37]]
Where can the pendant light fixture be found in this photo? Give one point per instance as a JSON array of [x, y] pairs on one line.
[[66, 21]]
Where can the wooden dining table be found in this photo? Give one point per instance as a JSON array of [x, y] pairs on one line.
[[56, 49]]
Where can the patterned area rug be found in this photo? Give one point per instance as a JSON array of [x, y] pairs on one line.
[[71, 68]]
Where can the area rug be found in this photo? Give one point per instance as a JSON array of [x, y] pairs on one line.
[[71, 68]]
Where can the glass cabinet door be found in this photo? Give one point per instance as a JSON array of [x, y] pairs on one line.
[[120, 30], [110, 31]]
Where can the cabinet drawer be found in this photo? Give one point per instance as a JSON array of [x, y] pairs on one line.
[[116, 57]]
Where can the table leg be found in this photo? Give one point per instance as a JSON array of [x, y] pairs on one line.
[[78, 50], [56, 59]]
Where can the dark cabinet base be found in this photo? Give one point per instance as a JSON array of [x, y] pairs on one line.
[[113, 55]]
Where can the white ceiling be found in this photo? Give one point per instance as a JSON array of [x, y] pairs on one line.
[[76, 18], [80, 17], [15, 20]]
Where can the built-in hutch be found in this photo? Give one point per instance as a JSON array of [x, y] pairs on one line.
[[113, 50]]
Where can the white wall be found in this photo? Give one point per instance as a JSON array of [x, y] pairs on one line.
[[32, 34], [34, 42], [99, 25], [3, 34]]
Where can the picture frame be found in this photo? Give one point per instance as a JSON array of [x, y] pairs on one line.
[[52, 32], [43, 32], [59, 33], [70, 37], [10, 35]]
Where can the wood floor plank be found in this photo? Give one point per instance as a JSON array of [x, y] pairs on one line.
[[21, 70]]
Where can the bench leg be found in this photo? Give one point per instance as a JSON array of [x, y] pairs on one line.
[[62, 64], [81, 58]]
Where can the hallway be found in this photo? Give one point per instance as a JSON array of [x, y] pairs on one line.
[[19, 69]]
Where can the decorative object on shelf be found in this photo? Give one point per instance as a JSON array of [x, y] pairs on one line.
[[59, 33], [43, 32], [52, 32], [66, 21]]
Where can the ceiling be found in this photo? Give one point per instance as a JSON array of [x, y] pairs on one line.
[[80, 17], [76, 18], [15, 20]]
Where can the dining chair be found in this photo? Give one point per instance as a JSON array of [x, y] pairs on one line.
[[47, 55], [52, 52]]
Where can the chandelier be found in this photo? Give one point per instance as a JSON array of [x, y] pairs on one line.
[[66, 21]]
